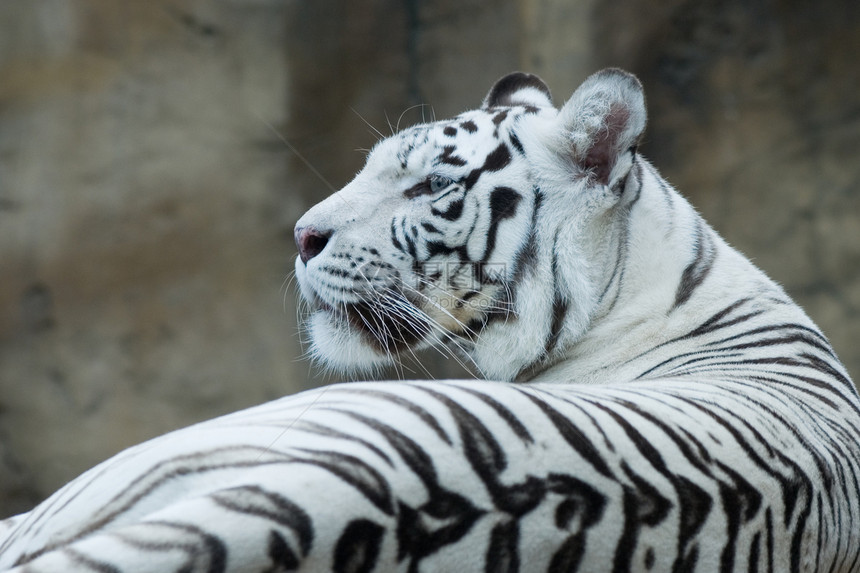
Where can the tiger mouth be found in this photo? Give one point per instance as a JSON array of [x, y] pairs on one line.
[[388, 323]]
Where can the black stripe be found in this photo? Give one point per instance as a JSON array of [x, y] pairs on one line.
[[664, 187], [410, 242], [485, 454], [695, 507], [419, 189], [586, 412], [791, 483], [321, 430], [280, 552], [581, 501], [573, 436], [418, 460], [527, 257], [559, 314], [642, 504], [502, 552], [568, 555], [167, 471], [768, 526], [355, 472], [254, 500], [394, 241], [452, 212], [79, 558], [559, 305], [732, 515], [487, 457], [791, 486], [696, 272], [203, 547], [800, 529], [504, 413], [827, 368], [518, 145], [820, 532], [503, 205], [357, 548], [497, 160], [815, 339], [773, 380], [856, 559], [712, 324], [753, 558], [448, 158], [469, 126], [617, 277], [695, 503], [444, 519]]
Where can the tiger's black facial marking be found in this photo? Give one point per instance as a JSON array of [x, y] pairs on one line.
[[447, 157], [469, 126], [496, 161], [518, 145], [503, 205], [394, 241], [410, 241], [452, 213], [422, 188], [527, 257], [435, 248]]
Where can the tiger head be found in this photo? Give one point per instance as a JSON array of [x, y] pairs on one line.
[[481, 234]]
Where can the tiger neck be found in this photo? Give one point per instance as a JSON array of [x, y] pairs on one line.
[[663, 272]]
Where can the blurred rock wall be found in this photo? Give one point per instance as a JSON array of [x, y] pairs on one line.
[[144, 212], [154, 156]]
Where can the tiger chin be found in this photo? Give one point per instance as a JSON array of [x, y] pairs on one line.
[[467, 234]]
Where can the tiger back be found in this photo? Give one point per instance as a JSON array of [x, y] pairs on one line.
[[659, 404]]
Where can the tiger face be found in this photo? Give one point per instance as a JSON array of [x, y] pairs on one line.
[[436, 241]]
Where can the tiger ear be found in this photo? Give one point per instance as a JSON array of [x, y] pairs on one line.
[[603, 121], [518, 89]]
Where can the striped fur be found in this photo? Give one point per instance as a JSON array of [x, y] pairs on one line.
[[680, 414]]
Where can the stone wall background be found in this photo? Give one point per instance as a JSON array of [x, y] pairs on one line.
[[149, 184]]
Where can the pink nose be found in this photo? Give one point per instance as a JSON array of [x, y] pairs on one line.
[[310, 242]]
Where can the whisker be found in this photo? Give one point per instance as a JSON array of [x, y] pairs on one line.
[[408, 109], [388, 121], [375, 131]]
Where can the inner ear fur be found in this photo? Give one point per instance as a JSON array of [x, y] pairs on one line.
[[603, 120]]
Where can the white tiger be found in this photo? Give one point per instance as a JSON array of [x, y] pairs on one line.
[[680, 412]]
